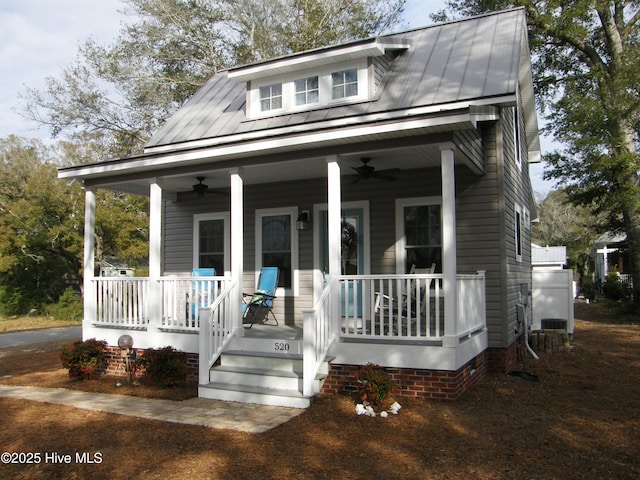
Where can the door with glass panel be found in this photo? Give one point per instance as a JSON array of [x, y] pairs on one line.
[[352, 258]]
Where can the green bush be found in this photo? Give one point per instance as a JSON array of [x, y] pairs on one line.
[[375, 384], [85, 360], [165, 367], [613, 288], [69, 306]]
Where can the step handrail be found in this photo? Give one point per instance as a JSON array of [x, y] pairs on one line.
[[216, 330]]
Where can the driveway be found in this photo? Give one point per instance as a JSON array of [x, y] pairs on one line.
[[28, 337]]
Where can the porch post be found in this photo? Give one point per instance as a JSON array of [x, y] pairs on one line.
[[237, 246], [88, 285], [449, 265], [334, 216], [155, 255]]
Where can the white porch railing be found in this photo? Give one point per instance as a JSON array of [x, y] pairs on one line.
[[182, 299], [216, 330], [409, 307], [403, 307], [472, 304], [122, 301], [319, 331]]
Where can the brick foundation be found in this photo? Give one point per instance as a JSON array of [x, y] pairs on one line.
[[503, 360], [430, 384], [116, 367]]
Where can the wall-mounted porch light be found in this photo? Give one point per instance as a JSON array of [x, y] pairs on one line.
[[303, 220]]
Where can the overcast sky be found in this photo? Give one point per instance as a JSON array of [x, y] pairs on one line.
[[40, 37]]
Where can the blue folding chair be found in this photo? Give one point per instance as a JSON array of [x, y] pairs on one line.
[[201, 292], [260, 303]]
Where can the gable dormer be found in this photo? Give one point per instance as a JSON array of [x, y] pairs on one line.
[[316, 79]]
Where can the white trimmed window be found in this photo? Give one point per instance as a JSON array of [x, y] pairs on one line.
[[277, 245], [517, 143], [314, 88], [418, 233], [344, 84], [211, 242], [271, 97], [521, 224], [307, 90]]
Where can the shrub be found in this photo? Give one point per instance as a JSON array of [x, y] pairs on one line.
[[84, 359], [613, 288], [165, 367], [69, 306], [375, 384]]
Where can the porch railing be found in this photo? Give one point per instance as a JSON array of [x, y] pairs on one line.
[[409, 307], [122, 301], [471, 313], [319, 331], [392, 306], [216, 329], [182, 299]]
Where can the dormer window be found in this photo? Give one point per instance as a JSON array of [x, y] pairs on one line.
[[271, 97], [317, 79], [344, 84], [307, 90]]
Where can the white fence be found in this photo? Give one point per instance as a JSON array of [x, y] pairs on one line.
[[552, 297]]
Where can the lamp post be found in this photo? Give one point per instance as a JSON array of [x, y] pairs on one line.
[[128, 355]]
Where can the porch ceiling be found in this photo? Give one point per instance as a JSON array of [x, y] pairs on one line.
[[403, 158]]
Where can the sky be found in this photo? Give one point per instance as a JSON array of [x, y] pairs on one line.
[[38, 38]]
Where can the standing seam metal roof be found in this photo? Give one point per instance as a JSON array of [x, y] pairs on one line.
[[450, 62]]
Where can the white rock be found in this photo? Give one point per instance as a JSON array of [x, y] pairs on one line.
[[384, 414]]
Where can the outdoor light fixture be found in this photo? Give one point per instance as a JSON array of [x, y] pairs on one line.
[[128, 355], [303, 220]]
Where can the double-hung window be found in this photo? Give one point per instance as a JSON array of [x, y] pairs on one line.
[[276, 244], [344, 83], [211, 241], [419, 232], [271, 97], [307, 90]]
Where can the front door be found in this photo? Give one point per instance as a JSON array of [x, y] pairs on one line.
[[353, 256]]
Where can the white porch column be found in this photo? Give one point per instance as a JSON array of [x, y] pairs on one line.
[[155, 255], [449, 253], [334, 227], [88, 286], [237, 244]]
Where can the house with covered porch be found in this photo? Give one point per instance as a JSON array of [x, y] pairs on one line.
[[386, 179]]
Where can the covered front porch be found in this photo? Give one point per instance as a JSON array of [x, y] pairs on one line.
[[431, 321], [412, 315]]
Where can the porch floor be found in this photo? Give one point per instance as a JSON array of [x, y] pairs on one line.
[[273, 332]]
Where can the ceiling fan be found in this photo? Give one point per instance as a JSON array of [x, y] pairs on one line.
[[365, 172], [201, 188]]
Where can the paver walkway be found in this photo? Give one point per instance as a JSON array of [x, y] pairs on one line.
[[195, 411]]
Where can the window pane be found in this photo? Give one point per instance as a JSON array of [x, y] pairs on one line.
[[344, 83], [306, 90], [276, 246], [211, 245], [271, 97], [422, 236]]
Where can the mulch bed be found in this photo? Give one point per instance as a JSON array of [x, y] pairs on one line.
[[581, 419]]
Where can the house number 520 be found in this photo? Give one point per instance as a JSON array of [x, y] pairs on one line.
[[281, 347]]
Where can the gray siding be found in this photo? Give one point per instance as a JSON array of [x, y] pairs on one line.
[[517, 191], [480, 230], [485, 207]]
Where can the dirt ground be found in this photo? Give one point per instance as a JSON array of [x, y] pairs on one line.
[[580, 420]]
